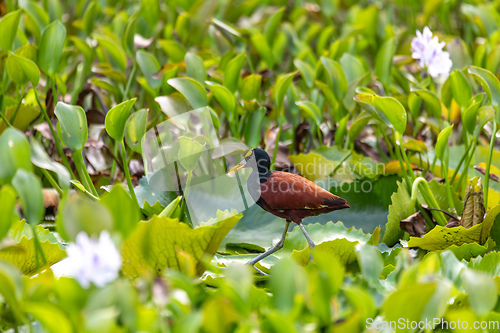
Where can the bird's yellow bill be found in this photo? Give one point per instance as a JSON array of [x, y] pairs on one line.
[[237, 167]]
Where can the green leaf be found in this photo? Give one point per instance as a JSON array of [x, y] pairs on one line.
[[336, 75], [8, 26], [442, 142], [371, 263], [193, 91], [77, 213], [312, 111], [89, 17], [383, 61], [341, 248], [393, 110], [441, 238], [490, 84], [155, 243], [128, 36], [41, 159], [432, 103], [174, 50], [460, 87], [287, 282], [469, 118], [323, 233], [116, 118], [306, 71], [358, 126], [122, 208], [149, 67], [397, 211], [250, 87], [283, 82], [22, 70], [225, 98], [14, 154], [50, 48], [8, 198], [190, 152], [29, 188], [409, 302], [50, 316], [260, 43], [135, 129], [272, 24], [11, 288], [232, 72], [253, 128], [72, 125], [195, 67], [114, 50], [478, 286], [23, 254]]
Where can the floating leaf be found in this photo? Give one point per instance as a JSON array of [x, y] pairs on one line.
[[441, 238], [23, 253], [342, 248], [155, 244]]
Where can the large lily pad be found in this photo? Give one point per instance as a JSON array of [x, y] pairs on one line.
[[156, 243], [23, 255], [441, 238]]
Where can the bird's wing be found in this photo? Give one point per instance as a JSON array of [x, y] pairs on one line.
[[284, 190]]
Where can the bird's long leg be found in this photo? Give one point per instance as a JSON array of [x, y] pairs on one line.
[[309, 240], [270, 251]]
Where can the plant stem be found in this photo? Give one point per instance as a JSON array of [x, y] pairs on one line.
[[83, 173], [465, 172], [429, 198], [20, 101], [52, 181], [38, 247], [488, 164], [127, 175], [64, 160], [129, 82]]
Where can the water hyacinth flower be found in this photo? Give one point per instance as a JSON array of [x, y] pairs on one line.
[[90, 260], [430, 55]]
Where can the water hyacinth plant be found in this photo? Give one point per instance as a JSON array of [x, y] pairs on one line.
[[119, 122], [430, 55], [91, 260]]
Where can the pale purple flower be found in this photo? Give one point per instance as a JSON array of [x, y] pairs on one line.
[[90, 260], [430, 55]]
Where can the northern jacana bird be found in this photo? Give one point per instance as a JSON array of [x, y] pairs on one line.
[[285, 195]]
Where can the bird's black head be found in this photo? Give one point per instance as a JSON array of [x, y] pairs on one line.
[[262, 159], [257, 159]]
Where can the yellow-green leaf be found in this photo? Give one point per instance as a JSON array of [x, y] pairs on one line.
[[154, 244]]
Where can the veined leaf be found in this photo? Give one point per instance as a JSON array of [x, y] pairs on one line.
[[23, 254], [155, 244]]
